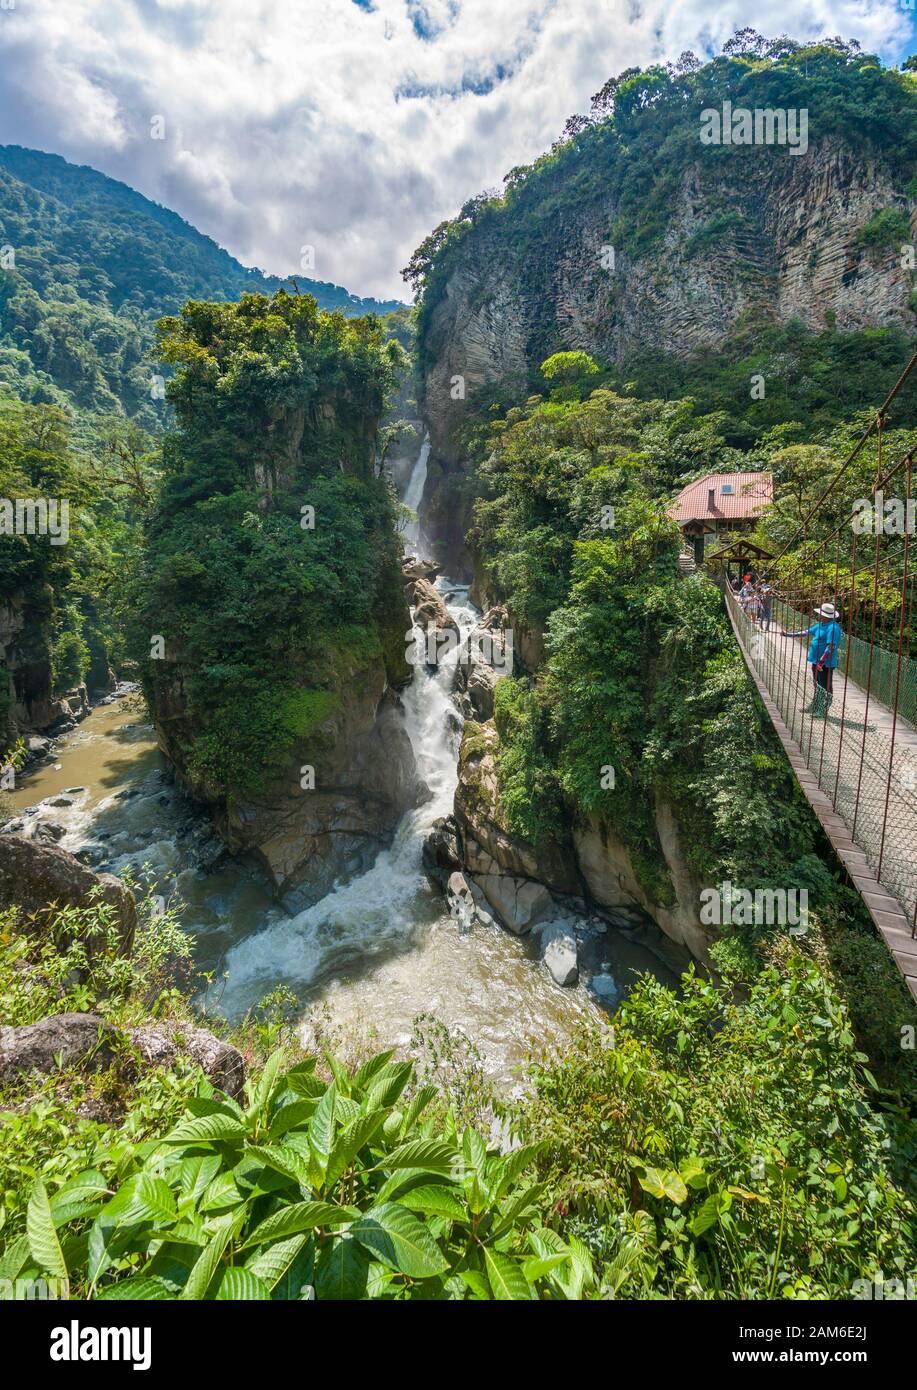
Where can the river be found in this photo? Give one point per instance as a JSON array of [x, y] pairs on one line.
[[374, 953]]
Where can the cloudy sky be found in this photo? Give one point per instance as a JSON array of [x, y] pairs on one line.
[[353, 126]]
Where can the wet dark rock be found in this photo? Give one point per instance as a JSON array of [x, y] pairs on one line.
[[441, 852], [50, 831]]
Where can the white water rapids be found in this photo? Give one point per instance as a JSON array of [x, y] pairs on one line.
[[373, 953]]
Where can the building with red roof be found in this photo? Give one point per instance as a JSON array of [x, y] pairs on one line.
[[719, 505]]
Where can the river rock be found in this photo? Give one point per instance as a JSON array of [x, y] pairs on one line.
[[560, 958], [415, 568], [461, 903], [92, 1044], [35, 877], [429, 606], [48, 831], [64, 1040], [441, 851], [159, 1044], [605, 988], [517, 902]]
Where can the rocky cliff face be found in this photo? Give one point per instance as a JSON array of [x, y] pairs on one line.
[[27, 699], [787, 248], [517, 879], [327, 814]]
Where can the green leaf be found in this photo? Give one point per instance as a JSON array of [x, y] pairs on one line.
[[282, 1160], [340, 1075], [265, 1086], [389, 1084], [511, 1165], [241, 1284], [350, 1141], [305, 1084], [321, 1135], [222, 1192], [196, 1174], [341, 1271], [42, 1237], [14, 1257], [505, 1276], [370, 1069], [207, 1129], [538, 1266], [428, 1155], [418, 1104], [400, 1240], [156, 1198], [434, 1201], [707, 1216], [290, 1117], [302, 1216], [665, 1183], [271, 1264], [143, 1286], [476, 1282], [205, 1266], [86, 1187]]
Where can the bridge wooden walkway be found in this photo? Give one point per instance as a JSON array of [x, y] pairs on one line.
[[858, 769]]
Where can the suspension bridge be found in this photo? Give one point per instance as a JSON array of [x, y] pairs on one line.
[[853, 745]]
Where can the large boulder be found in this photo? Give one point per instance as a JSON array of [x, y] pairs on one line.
[[429, 606], [414, 568], [442, 851], [37, 877], [60, 1041], [159, 1044], [89, 1042], [558, 951], [519, 903]]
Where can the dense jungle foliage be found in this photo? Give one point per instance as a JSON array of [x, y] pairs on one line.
[[95, 264], [272, 567], [706, 1146], [69, 600]]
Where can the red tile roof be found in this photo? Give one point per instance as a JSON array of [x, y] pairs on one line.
[[747, 495]]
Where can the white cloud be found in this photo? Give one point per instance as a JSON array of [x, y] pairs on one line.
[[294, 121]]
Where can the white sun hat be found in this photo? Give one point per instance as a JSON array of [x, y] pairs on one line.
[[827, 610]]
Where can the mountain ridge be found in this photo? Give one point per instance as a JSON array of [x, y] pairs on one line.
[[94, 264]]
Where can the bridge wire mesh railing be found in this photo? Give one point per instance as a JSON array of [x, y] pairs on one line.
[[863, 751]]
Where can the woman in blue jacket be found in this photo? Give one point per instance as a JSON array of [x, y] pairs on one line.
[[824, 647]]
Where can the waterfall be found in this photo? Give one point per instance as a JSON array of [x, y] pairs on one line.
[[381, 910], [414, 493]]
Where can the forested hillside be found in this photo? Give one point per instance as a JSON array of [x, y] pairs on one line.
[[94, 264]]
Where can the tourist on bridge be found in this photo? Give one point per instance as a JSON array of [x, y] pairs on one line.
[[746, 592], [824, 646], [766, 594]]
